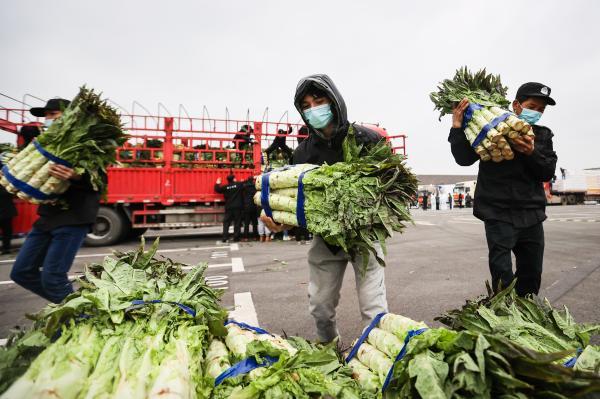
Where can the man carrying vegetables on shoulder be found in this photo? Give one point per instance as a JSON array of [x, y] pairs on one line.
[[60, 230], [324, 112], [509, 197]]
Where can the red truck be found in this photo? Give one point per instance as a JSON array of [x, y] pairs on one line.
[[168, 169]]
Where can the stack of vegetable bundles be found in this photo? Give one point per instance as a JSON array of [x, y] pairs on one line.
[[137, 328], [352, 204], [487, 124], [84, 138]]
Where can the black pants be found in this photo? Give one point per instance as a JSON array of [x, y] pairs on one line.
[[6, 226], [528, 247], [250, 218], [232, 216], [302, 234]]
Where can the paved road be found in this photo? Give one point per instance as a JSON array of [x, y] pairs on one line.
[[434, 266]]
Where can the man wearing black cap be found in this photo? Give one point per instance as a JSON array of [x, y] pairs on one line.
[[50, 248], [509, 196]]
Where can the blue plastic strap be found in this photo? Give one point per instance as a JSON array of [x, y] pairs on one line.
[[51, 157], [248, 327], [243, 367], [300, 214], [186, 309], [411, 334], [469, 113], [483, 133], [572, 361], [26, 188], [364, 336], [264, 195]]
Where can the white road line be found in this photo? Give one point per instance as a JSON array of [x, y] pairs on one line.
[[244, 309], [234, 247], [160, 251], [421, 223], [237, 265]]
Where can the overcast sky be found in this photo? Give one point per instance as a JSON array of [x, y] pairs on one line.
[[384, 56]]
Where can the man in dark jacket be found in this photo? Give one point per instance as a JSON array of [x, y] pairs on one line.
[[250, 214], [324, 112], [60, 230], [280, 144], [509, 196], [234, 205]]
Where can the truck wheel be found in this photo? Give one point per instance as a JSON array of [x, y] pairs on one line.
[[136, 232], [109, 228]]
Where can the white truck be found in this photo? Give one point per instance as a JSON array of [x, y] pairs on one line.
[[581, 187]]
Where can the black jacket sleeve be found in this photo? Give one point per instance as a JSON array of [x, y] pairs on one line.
[[461, 148], [542, 162], [219, 189]]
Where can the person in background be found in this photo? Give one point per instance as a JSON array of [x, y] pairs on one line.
[[7, 212], [279, 144], [263, 231], [243, 140], [425, 201], [437, 201], [563, 173], [323, 110], [460, 200], [449, 201], [468, 200], [509, 196], [50, 248], [234, 205], [27, 133], [250, 215], [302, 134]]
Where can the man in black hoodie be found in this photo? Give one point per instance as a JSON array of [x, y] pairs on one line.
[[509, 196], [324, 112], [234, 206]]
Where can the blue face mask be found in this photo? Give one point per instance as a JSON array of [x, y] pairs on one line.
[[48, 122], [320, 116], [530, 116]]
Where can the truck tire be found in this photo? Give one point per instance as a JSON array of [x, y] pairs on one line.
[[110, 228]]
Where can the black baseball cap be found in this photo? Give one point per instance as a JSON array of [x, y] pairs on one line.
[[54, 104], [534, 89]]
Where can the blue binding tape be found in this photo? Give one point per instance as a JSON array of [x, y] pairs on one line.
[[469, 113], [483, 133], [26, 188], [364, 336], [186, 309], [409, 336], [248, 327], [264, 195], [572, 361], [243, 367], [300, 214], [50, 156]]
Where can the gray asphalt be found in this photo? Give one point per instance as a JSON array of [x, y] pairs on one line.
[[434, 266]]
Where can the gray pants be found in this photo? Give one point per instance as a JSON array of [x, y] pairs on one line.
[[326, 276]]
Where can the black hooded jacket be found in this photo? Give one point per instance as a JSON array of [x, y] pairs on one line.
[[317, 149], [510, 191]]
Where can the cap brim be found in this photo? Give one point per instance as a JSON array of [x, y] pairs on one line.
[[40, 112], [549, 100]]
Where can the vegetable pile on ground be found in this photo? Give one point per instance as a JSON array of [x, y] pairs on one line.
[[352, 204], [487, 124], [85, 138], [138, 327]]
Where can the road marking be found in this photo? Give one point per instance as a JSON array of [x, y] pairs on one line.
[[234, 247], [244, 309], [160, 251], [419, 222], [237, 265], [216, 255], [217, 282], [463, 222]]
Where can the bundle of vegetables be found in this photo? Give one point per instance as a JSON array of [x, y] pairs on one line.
[[7, 152], [301, 370], [487, 124], [442, 363], [530, 322], [352, 204], [138, 327], [85, 137]]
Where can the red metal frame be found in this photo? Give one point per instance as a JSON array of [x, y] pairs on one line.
[[174, 160]]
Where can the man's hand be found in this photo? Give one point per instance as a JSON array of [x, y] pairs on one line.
[[219, 180], [523, 144], [458, 112], [63, 173], [272, 226]]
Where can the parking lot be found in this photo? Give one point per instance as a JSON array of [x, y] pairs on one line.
[[434, 266]]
